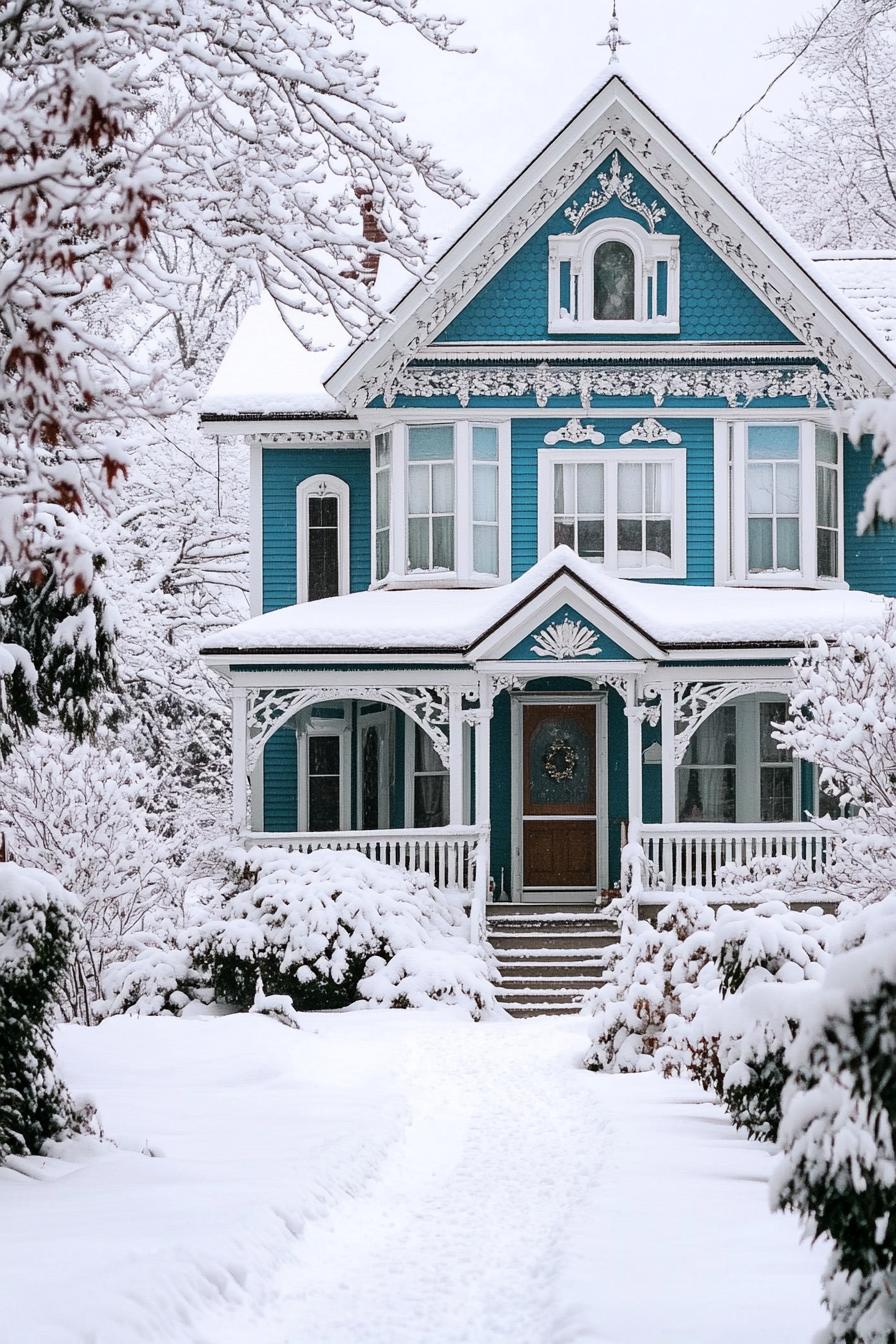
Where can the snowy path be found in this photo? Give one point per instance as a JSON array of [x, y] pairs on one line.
[[392, 1178]]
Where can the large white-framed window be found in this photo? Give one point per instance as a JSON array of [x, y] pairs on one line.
[[322, 538], [734, 770], [614, 276], [779, 503], [624, 510], [442, 503], [325, 773]]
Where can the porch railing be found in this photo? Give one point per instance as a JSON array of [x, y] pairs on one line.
[[447, 854], [692, 853]]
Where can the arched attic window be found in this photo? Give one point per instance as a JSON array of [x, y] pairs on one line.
[[614, 276], [614, 282], [322, 552]]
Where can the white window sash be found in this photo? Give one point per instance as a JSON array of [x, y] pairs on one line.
[[611, 459]]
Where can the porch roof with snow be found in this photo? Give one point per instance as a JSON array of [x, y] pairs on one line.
[[649, 620], [268, 374]]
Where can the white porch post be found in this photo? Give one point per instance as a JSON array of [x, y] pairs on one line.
[[483, 808], [239, 739], [634, 717], [667, 703], [455, 759]]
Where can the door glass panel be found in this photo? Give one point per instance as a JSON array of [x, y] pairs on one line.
[[561, 764]]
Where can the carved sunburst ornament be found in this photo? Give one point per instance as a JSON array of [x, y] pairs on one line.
[[615, 184], [568, 639]]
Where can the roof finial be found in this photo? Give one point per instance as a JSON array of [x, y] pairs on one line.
[[613, 39]]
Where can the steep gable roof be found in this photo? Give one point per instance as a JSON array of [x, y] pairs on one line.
[[617, 116]]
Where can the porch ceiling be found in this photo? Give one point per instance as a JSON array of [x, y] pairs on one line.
[[653, 620]]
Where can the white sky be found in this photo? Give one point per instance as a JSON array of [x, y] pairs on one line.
[[697, 60]]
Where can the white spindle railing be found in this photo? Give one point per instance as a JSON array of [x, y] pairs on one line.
[[691, 854], [448, 854]]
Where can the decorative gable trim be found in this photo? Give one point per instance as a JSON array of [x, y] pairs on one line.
[[617, 119], [615, 184], [575, 432], [650, 431]]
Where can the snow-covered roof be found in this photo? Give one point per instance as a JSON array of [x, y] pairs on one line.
[[455, 620], [868, 280]]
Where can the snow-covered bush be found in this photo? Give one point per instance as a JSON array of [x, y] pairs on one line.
[[38, 930], [765, 878], [838, 1159], [735, 1043], [648, 973], [330, 928], [160, 979], [87, 813]]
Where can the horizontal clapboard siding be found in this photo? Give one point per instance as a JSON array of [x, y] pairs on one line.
[[283, 470], [697, 441], [870, 560]]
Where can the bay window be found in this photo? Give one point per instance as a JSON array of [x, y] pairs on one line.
[[778, 507], [623, 510], [442, 507]]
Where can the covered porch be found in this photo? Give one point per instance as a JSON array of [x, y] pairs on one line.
[[512, 742]]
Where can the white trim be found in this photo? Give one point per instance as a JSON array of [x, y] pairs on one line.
[[256, 530], [423, 415], [341, 728], [721, 503], [612, 458], [322, 486], [577, 252], [617, 118], [715, 352], [283, 431]]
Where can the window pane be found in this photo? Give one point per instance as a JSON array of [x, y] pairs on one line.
[[591, 488], [565, 533], [629, 487], [659, 542], [773, 441], [370, 780], [425, 755], [826, 497], [485, 549], [431, 800], [715, 741], [707, 794], [760, 485], [382, 554], [418, 490], [771, 715], [485, 443], [759, 541], [827, 553], [564, 488], [788, 543], [382, 498], [485, 494], [614, 283], [443, 489], [418, 543], [429, 443], [323, 803], [323, 755], [591, 539], [323, 562], [787, 484], [776, 793], [658, 487], [383, 444], [826, 446], [443, 543], [630, 541]]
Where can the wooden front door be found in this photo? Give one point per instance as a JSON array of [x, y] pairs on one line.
[[559, 796]]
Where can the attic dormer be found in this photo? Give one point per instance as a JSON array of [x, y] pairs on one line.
[[615, 275]]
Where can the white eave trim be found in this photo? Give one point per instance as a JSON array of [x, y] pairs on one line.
[[275, 428], [567, 352]]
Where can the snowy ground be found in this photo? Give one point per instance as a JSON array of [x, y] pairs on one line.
[[391, 1178]]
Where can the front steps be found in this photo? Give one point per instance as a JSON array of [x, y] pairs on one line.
[[548, 956]]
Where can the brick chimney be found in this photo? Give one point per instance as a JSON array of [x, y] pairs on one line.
[[370, 226]]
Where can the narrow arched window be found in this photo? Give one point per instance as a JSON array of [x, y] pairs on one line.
[[322, 534], [614, 282]]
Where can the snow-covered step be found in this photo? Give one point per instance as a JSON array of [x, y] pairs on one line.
[[549, 1009], [566, 940], [549, 959]]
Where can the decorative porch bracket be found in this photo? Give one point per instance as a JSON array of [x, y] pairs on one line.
[[268, 710], [697, 701]]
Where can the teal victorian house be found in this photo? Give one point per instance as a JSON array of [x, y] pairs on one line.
[[529, 564]]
